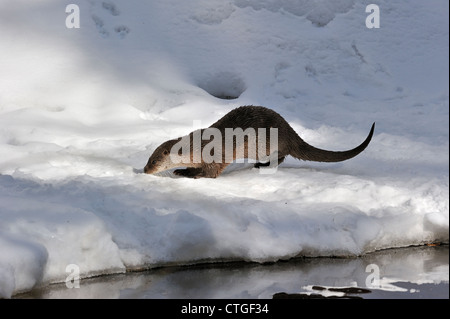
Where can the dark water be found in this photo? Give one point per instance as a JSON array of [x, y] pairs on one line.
[[415, 272]]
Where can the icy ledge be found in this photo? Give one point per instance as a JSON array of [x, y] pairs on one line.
[[103, 225]]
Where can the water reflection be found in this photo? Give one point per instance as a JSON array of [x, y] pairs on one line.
[[416, 272]]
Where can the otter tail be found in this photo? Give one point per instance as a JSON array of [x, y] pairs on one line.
[[306, 152]]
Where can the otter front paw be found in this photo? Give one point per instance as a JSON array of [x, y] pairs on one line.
[[258, 165], [188, 172]]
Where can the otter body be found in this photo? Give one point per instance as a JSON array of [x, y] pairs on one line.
[[209, 156]]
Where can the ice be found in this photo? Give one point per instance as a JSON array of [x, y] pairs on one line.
[[81, 110]]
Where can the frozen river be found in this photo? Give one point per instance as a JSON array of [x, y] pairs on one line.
[[408, 273]]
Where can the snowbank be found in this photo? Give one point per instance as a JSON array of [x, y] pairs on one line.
[[82, 109]]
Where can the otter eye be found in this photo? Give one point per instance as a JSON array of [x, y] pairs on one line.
[[166, 152], [153, 162]]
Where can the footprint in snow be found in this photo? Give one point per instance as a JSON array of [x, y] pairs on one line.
[[111, 8], [121, 30]]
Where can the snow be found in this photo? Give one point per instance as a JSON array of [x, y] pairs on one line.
[[81, 110]]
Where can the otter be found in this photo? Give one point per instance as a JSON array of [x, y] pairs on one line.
[[259, 146]]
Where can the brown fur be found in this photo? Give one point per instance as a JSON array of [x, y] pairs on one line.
[[289, 143]]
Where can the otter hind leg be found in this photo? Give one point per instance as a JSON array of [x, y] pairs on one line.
[[258, 165]]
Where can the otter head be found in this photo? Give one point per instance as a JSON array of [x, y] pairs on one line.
[[164, 157], [160, 159]]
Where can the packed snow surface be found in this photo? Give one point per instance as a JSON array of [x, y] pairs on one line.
[[82, 109]]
